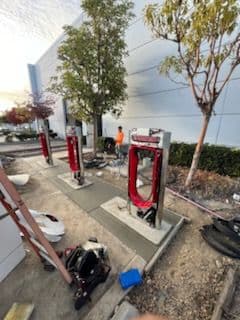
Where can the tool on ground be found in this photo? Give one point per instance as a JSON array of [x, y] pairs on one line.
[[130, 278], [155, 143], [88, 264]]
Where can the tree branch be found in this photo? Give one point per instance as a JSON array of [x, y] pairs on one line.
[[177, 82], [228, 77]]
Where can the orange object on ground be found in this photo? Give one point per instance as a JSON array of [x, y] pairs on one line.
[[119, 138]]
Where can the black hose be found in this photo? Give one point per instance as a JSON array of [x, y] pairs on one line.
[[209, 235], [224, 227]]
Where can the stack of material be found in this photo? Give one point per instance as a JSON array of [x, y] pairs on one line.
[[224, 236]]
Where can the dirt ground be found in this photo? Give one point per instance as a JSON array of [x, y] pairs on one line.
[[186, 281]]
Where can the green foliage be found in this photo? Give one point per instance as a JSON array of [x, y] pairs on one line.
[[207, 40], [91, 73], [219, 159], [100, 144], [3, 118], [26, 135]]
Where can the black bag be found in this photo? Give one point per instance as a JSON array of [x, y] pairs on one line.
[[88, 270]]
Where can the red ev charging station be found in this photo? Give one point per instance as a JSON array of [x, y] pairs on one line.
[[156, 143], [73, 152], [45, 145], [43, 142]]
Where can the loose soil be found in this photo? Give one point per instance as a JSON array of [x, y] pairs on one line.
[[186, 281]]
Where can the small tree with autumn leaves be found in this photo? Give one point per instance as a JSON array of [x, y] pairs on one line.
[[207, 39], [19, 115], [41, 105]]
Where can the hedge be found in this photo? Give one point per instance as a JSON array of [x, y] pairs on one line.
[[219, 159]]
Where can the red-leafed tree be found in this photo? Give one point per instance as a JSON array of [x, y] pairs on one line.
[[19, 115], [41, 106]]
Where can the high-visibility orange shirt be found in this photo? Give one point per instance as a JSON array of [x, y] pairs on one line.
[[119, 138]]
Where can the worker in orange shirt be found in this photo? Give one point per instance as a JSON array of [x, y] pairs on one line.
[[119, 141]]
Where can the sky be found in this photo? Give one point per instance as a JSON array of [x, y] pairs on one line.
[[27, 29]]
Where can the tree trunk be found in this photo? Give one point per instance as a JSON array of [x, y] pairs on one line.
[[95, 135], [198, 150], [46, 131]]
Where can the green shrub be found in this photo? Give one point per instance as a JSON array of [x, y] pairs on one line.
[[100, 144], [22, 136], [219, 159]]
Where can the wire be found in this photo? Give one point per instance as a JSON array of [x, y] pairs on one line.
[[157, 92], [143, 70], [221, 118], [155, 66], [171, 90], [136, 21], [142, 45], [180, 115]]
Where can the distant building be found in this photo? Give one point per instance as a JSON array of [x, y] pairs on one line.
[[154, 101]]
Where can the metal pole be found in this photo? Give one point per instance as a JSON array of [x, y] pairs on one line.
[[46, 131], [81, 164], [163, 180]]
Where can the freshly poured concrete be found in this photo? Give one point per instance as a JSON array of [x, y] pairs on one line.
[[68, 179], [122, 170], [118, 208], [42, 163]]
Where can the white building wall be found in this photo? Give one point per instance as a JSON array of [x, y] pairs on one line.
[[155, 101], [45, 69]]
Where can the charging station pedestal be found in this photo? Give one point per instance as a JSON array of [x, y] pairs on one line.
[[44, 140], [75, 178], [145, 216]]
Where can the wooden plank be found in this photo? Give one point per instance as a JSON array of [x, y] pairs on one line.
[[226, 295], [20, 311]]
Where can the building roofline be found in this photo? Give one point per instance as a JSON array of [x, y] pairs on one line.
[[60, 37]]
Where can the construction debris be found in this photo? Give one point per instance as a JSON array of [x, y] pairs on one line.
[[19, 179], [223, 236], [225, 298], [89, 268], [20, 311], [52, 228]]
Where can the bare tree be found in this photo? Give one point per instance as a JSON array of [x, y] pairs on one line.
[[207, 39]]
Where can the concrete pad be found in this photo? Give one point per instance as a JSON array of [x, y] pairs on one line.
[[126, 235], [104, 309], [43, 164], [122, 170], [118, 208], [92, 197], [68, 179], [125, 311]]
